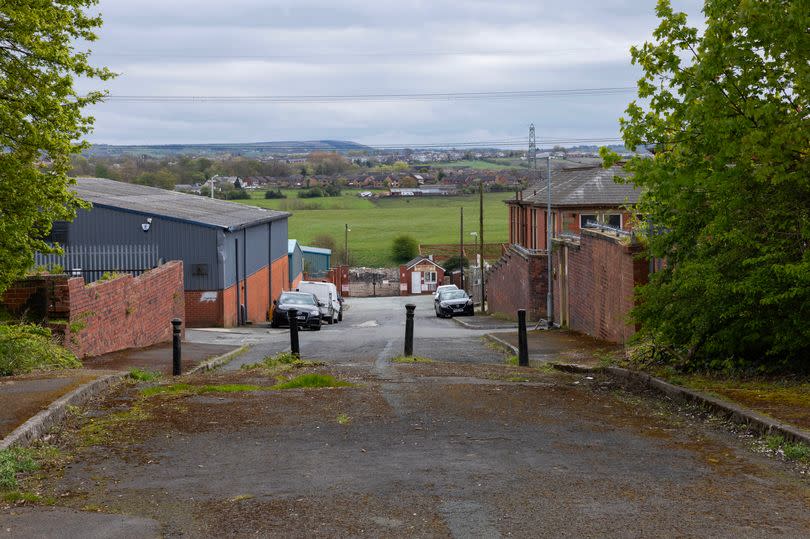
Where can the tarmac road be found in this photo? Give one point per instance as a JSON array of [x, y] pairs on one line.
[[467, 448]]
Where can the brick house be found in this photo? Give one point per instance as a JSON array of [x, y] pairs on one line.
[[234, 256], [419, 276], [578, 196]]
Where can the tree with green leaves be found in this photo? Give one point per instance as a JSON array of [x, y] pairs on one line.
[[404, 248], [41, 121], [727, 193]]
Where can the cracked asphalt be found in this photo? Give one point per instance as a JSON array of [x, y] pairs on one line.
[[464, 447]]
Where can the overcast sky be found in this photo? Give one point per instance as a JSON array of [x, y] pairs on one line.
[[361, 47]]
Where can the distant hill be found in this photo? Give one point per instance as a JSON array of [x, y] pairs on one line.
[[249, 149]]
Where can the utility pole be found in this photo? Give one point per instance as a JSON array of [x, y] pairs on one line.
[[481, 242], [461, 246], [549, 224], [531, 156]]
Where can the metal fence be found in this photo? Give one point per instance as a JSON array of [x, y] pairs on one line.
[[93, 261]]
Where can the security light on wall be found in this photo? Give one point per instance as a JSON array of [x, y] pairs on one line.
[[145, 226]]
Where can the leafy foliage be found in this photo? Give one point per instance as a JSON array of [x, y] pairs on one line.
[[404, 248], [456, 262], [41, 121], [14, 461], [728, 190], [28, 347], [270, 194]]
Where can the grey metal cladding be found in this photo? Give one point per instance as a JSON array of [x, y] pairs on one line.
[[172, 204], [193, 244], [256, 240], [278, 239]]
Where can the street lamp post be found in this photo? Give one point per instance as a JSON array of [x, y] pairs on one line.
[[480, 260], [346, 245], [549, 226]]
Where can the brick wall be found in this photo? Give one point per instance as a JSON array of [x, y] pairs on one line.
[[102, 317], [205, 309], [518, 281], [598, 275]]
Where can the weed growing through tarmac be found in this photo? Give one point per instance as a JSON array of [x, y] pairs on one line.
[[189, 389], [312, 381], [796, 451], [282, 362], [343, 419], [101, 431], [412, 359], [17, 461], [14, 461], [142, 375]]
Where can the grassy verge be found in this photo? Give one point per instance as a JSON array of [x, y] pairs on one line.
[[28, 347], [17, 462]]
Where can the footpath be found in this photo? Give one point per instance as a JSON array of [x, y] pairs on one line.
[[780, 409], [31, 403]]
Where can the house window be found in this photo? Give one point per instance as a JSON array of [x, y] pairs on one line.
[[585, 218], [430, 277], [614, 220]]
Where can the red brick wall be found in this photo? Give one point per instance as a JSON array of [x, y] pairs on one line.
[[405, 279], [339, 276], [102, 317], [205, 309], [518, 281], [601, 276]]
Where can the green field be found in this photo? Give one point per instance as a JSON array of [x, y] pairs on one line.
[[500, 164], [374, 224]]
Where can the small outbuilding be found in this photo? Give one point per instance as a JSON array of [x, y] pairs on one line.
[[419, 276], [317, 261], [234, 256]]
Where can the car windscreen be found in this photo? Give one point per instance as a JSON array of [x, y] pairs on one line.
[[453, 294], [297, 299]]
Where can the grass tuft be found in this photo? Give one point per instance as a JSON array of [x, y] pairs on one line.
[[343, 419], [312, 381], [412, 359], [282, 362], [142, 375]]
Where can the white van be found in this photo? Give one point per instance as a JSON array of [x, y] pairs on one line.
[[331, 310]]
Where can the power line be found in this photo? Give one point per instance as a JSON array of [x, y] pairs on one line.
[[437, 96], [334, 54]]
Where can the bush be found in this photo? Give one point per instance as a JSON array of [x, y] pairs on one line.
[[332, 190], [404, 248], [237, 194], [28, 347], [456, 263], [315, 192], [274, 194]]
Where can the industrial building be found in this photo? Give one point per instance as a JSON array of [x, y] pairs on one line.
[[234, 256]]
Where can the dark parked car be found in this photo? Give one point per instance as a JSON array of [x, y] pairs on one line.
[[309, 315], [453, 302]]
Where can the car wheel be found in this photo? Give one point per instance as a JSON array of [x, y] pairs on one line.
[[340, 315], [273, 324], [316, 328]]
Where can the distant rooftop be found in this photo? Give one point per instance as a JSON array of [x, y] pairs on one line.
[[316, 250], [583, 186], [172, 204]]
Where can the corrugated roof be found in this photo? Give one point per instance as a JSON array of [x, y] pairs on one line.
[[316, 250], [291, 246], [586, 186], [173, 205]]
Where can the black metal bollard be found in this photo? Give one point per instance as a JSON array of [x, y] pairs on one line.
[[176, 352], [292, 316], [523, 344], [409, 309]]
